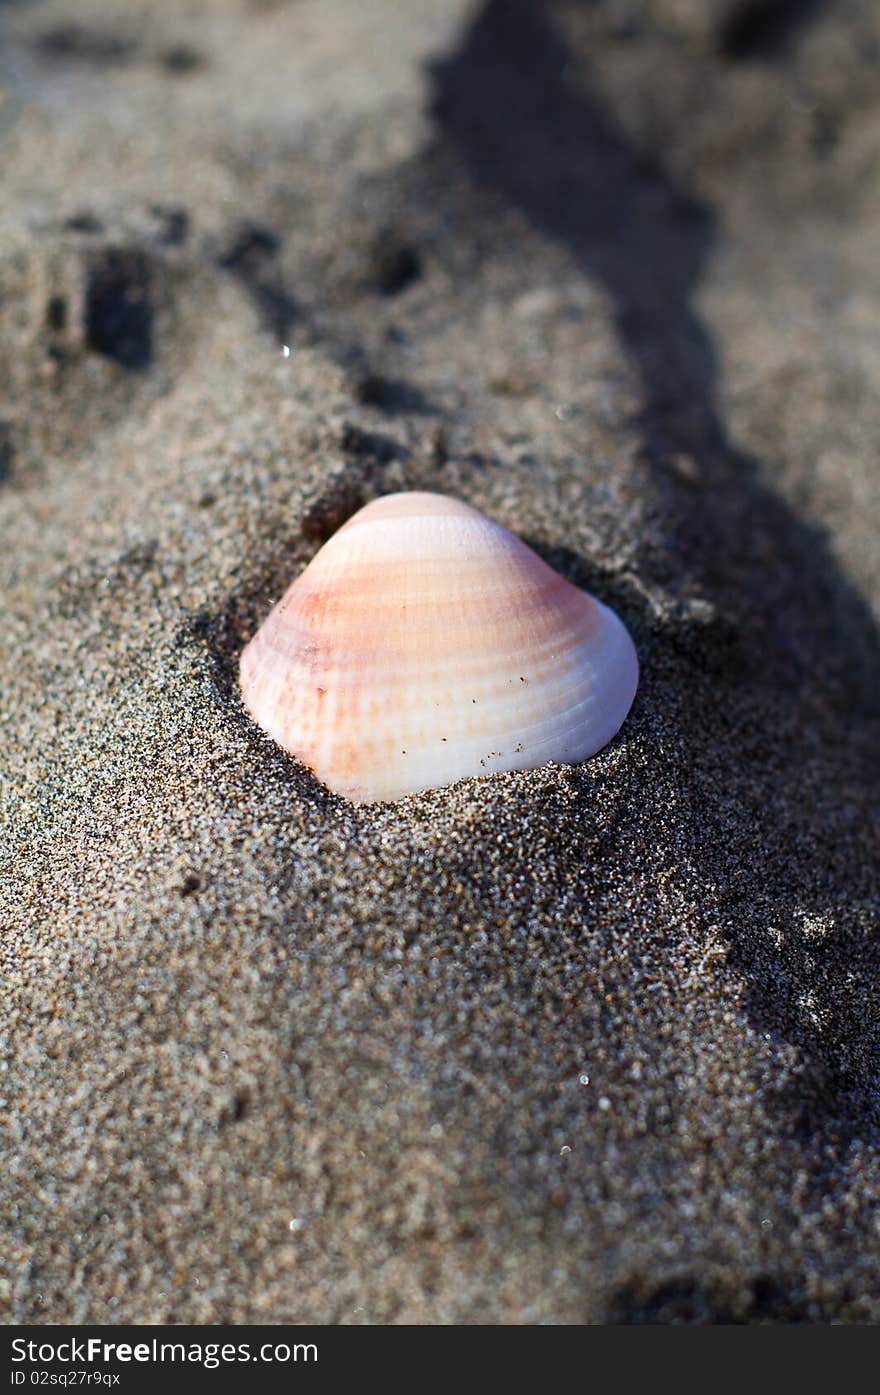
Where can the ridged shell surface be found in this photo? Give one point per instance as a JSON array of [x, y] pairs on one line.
[[425, 643]]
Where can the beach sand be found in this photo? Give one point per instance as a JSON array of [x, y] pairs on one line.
[[608, 272]]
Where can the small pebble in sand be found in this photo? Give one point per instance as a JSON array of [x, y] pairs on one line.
[[425, 644]]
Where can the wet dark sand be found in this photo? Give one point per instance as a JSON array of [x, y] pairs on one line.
[[613, 279]]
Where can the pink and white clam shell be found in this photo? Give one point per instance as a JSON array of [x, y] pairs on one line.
[[424, 643]]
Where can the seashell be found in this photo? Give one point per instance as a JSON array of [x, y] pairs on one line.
[[425, 643]]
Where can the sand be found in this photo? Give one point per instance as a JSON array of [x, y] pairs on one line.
[[609, 272]]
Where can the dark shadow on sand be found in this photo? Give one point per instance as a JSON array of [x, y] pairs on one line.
[[507, 114]]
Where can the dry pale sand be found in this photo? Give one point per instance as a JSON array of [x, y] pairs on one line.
[[609, 271]]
